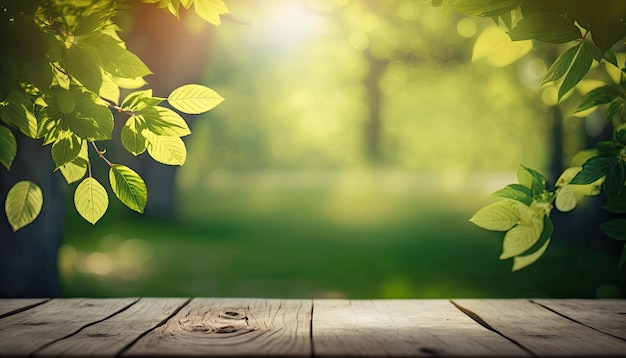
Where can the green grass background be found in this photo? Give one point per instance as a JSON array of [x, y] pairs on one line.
[[364, 241]]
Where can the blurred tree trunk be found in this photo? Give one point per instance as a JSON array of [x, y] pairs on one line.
[[28, 257], [177, 56], [373, 125]]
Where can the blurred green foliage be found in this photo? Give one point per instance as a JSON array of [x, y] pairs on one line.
[[279, 197]]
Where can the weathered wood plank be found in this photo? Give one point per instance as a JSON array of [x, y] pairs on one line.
[[11, 305], [402, 328], [223, 327], [111, 336], [542, 332], [605, 315], [28, 331]]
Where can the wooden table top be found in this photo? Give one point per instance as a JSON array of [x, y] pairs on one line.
[[324, 327]]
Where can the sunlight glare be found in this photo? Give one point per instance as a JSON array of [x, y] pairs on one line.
[[292, 24]]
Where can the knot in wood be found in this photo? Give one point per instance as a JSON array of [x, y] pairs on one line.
[[232, 314], [227, 320]]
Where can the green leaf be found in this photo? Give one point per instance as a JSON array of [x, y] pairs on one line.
[[66, 148], [594, 169], [531, 178], [614, 108], [611, 57], [598, 96], [620, 136], [49, 126], [55, 47], [23, 204], [615, 229], [210, 10], [516, 192], [38, 72], [8, 147], [485, 8], [18, 112], [498, 216], [609, 148], [521, 238], [580, 66], [132, 139], [194, 99], [91, 23], [519, 262], [507, 19], [128, 186], [166, 149], [64, 99], [616, 204], [164, 121], [90, 120], [83, 65], [114, 59], [560, 66], [582, 156], [615, 177], [546, 27], [140, 100], [91, 200], [8, 76], [76, 169]]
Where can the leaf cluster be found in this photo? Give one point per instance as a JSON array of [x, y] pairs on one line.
[[591, 31], [62, 65]]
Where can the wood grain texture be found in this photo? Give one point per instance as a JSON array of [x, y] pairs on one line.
[[28, 331], [111, 336], [542, 332], [10, 305], [402, 328], [223, 327], [605, 315]]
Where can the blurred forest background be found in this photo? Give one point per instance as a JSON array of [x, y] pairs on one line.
[[356, 140]]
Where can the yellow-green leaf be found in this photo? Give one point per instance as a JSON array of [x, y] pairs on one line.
[[496, 48], [210, 10], [519, 262], [164, 121], [569, 195], [194, 99], [566, 198], [567, 176], [66, 149], [521, 238], [166, 149], [76, 169], [498, 216], [132, 139], [18, 112], [128, 186], [8, 147], [23, 204], [91, 200]]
